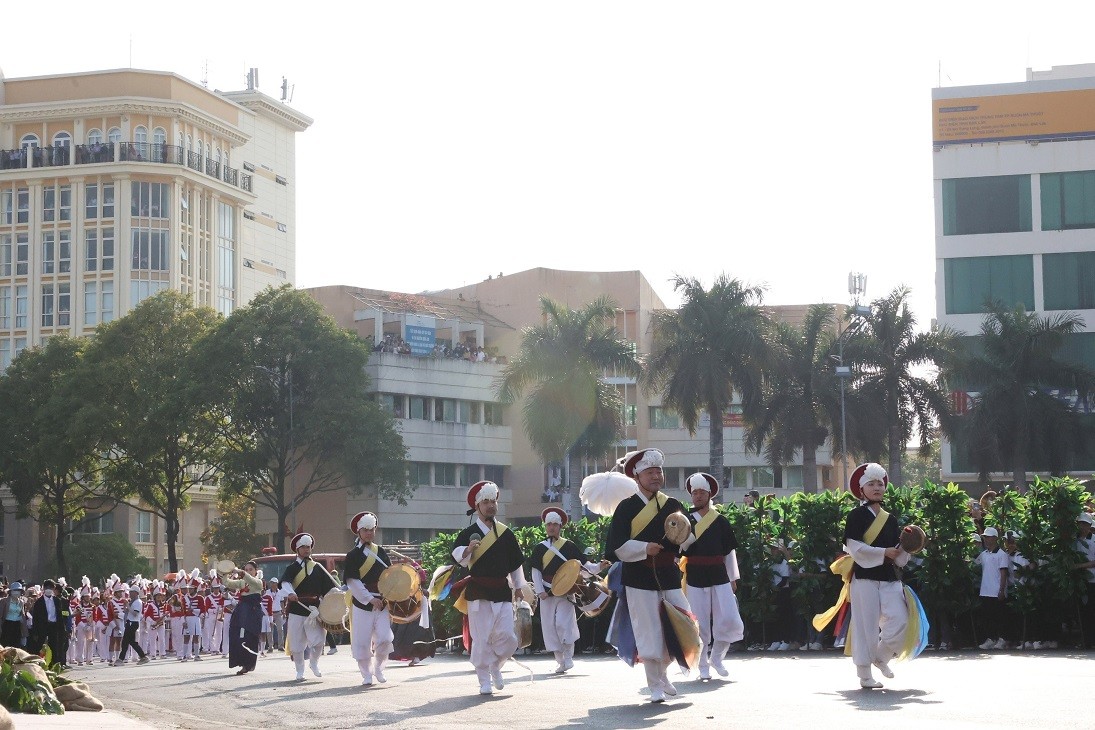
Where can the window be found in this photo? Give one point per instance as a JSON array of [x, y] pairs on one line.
[[143, 533], [108, 302], [492, 414], [444, 475], [1068, 280], [998, 204], [763, 477], [20, 345], [149, 200], [21, 307], [91, 201], [15, 206], [739, 477], [62, 139], [7, 210], [419, 535], [630, 414], [493, 473], [5, 254], [149, 249], [1068, 200], [94, 524], [22, 253], [64, 251], [108, 200], [57, 203], [49, 245], [91, 303], [792, 477], [5, 308], [468, 474], [5, 353], [64, 304], [661, 417], [22, 198], [159, 136], [391, 403], [971, 281], [467, 411], [114, 135], [49, 203], [29, 141], [95, 136], [47, 305], [672, 476], [418, 474], [418, 409], [141, 290], [140, 135], [64, 198], [91, 249], [226, 258], [108, 249], [444, 409]]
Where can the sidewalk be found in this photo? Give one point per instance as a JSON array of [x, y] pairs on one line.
[[105, 720]]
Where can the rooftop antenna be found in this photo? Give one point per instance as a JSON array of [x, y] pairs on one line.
[[205, 73], [131, 50], [252, 79]]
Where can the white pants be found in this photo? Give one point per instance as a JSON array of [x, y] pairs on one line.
[[716, 610], [209, 631], [177, 635], [83, 640], [155, 640], [103, 631], [643, 608], [493, 639], [303, 635], [879, 616], [370, 640], [192, 628], [558, 623], [224, 634]]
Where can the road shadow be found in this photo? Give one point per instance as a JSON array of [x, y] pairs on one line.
[[883, 700], [501, 700], [630, 717]]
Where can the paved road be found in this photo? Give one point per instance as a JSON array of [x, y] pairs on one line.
[[815, 690]]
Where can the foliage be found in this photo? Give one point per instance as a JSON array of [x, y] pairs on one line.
[[232, 535], [48, 459], [1047, 522], [570, 410], [21, 692], [291, 388], [945, 573], [716, 344], [919, 468], [151, 406], [885, 360], [1013, 366], [97, 556], [818, 524]]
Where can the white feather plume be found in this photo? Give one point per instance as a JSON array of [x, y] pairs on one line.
[[85, 581], [602, 492], [195, 574]]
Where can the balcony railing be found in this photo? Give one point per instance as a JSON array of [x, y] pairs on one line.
[[110, 152]]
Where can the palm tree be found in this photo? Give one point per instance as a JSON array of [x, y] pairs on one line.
[[571, 413], [1015, 366], [802, 395], [885, 360], [715, 344]]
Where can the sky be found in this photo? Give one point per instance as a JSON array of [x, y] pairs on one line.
[[785, 145]]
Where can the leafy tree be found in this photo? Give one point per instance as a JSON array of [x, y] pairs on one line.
[[1015, 367], [98, 556], [920, 468], [232, 535], [150, 380], [715, 344], [801, 395], [48, 457], [297, 417], [571, 412], [886, 359]]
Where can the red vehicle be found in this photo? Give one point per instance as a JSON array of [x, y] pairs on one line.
[[273, 565]]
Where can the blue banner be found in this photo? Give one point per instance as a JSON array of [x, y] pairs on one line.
[[421, 339]]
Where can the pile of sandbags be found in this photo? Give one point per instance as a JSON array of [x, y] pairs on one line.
[[74, 696]]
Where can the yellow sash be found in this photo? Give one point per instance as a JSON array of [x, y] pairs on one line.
[[309, 565], [701, 527], [487, 541], [549, 556], [843, 566], [370, 561], [648, 513]]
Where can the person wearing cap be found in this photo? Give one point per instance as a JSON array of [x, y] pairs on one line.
[[13, 613], [370, 622], [243, 624], [49, 618], [649, 572], [558, 620], [493, 557], [215, 621], [878, 611], [710, 568], [1085, 545], [271, 623], [992, 613], [83, 627], [194, 605], [303, 584], [155, 617]]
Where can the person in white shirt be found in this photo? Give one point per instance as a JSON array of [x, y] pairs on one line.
[[992, 614], [133, 615], [1085, 545]]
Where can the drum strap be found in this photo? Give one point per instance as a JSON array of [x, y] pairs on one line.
[[490, 539], [304, 572], [553, 548], [648, 513], [371, 559], [704, 522]]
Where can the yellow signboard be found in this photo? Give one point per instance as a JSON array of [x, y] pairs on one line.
[[1041, 115]]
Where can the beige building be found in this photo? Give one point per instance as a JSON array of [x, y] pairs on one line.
[[117, 184], [457, 432]]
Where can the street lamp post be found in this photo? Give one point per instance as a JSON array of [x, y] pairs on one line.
[[857, 287]]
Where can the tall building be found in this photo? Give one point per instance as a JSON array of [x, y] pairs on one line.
[[457, 432], [117, 184], [1014, 176]]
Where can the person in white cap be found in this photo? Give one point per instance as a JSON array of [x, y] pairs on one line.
[[710, 568], [1085, 545], [558, 620], [493, 556], [992, 611], [304, 583], [370, 622], [649, 572], [879, 614], [83, 626]]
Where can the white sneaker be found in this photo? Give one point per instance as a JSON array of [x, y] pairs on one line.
[[657, 695], [1036, 645], [774, 646], [367, 681], [314, 666], [870, 683], [332, 650], [379, 676], [986, 644], [719, 667], [705, 674], [668, 687], [1000, 644], [783, 646], [568, 665], [884, 668], [815, 646], [839, 643], [485, 689], [496, 677]]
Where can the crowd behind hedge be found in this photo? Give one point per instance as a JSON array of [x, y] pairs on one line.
[[945, 574]]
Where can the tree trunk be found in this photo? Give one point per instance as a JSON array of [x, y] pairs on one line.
[[171, 527], [574, 483], [809, 469], [718, 460], [895, 444], [279, 533], [59, 545], [1019, 459]]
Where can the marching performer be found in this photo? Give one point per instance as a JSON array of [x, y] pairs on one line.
[[194, 603], [711, 573], [304, 583], [176, 611], [84, 621], [100, 615], [214, 617], [244, 623], [155, 615], [116, 609], [370, 622], [558, 619], [649, 573], [231, 602], [492, 555]]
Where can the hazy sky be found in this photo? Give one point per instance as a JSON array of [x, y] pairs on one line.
[[786, 144]]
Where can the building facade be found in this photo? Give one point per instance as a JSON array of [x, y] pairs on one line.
[[117, 184], [1014, 177]]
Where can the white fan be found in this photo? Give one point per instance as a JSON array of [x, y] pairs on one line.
[[602, 492]]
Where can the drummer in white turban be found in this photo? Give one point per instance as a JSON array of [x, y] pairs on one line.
[[370, 622], [304, 583]]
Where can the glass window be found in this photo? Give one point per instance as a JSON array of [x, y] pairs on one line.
[[998, 204], [143, 533], [1068, 200], [64, 251], [108, 200], [5, 353], [62, 139], [29, 141], [5, 307], [159, 136], [91, 202], [141, 290], [494, 473], [444, 409], [661, 417], [94, 524], [792, 477], [95, 136], [391, 403], [970, 282], [64, 199], [1068, 280], [492, 414], [108, 249], [47, 305], [64, 304], [5, 254], [7, 209], [108, 301], [91, 249], [149, 200], [418, 408], [763, 478], [114, 135], [466, 412], [22, 198], [150, 249], [468, 474], [91, 303], [739, 477], [418, 473], [444, 475], [21, 307], [20, 345], [49, 203], [22, 253], [140, 135], [49, 243], [630, 414]]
